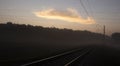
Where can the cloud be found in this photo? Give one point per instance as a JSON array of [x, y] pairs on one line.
[[70, 15]]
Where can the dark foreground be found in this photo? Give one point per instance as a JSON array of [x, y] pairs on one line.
[[21, 44], [99, 56]]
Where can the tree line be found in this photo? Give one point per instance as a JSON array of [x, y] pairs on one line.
[[10, 32]]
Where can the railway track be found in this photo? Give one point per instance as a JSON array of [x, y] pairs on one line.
[[64, 59]]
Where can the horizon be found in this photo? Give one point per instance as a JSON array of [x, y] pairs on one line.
[[12, 23]]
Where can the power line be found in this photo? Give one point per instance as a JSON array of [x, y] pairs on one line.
[[84, 7], [90, 7], [87, 13]]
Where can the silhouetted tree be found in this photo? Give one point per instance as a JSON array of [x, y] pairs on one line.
[[28, 33], [116, 37]]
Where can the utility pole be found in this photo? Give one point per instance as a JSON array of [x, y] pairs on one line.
[[104, 34], [104, 31]]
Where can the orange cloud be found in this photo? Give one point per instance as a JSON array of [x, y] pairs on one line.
[[70, 15]]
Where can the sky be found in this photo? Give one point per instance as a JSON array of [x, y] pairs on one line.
[[89, 15]]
